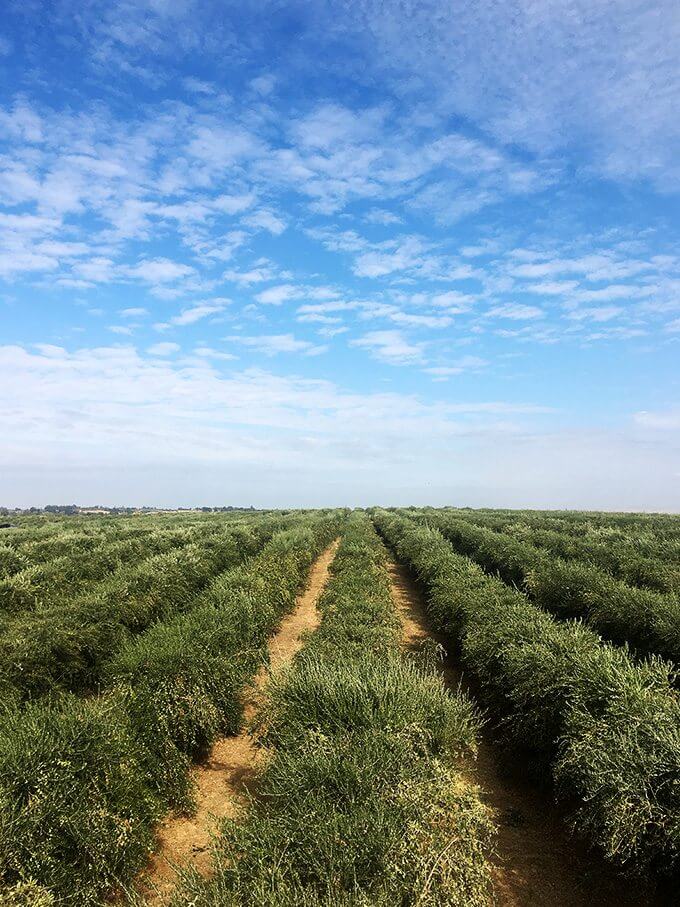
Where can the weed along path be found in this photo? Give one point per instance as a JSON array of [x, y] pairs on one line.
[[536, 864], [222, 778]]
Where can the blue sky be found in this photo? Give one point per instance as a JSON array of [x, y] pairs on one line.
[[340, 253]]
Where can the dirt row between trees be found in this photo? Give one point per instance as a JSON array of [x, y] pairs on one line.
[[536, 863], [222, 780]]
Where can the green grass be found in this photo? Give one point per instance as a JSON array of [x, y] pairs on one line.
[[53, 582], [66, 647], [76, 808], [82, 781], [360, 801], [647, 620], [607, 727], [636, 554]]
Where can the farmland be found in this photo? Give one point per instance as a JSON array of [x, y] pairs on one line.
[[334, 707]]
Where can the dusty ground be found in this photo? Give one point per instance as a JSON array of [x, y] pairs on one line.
[[537, 864], [222, 779]]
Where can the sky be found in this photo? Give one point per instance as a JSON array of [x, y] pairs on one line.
[[340, 253]]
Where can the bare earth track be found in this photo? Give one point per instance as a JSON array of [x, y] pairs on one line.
[[222, 779], [536, 863]]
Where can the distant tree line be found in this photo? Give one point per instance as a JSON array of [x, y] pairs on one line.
[[71, 509]]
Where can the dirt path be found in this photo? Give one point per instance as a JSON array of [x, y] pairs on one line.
[[222, 779], [537, 864]]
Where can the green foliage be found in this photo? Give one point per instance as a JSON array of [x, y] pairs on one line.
[[11, 561], [87, 543], [75, 807], [66, 648], [647, 620], [608, 727], [642, 550], [368, 816], [359, 801], [26, 894], [184, 676], [82, 781], [54, 581], [361, 694], [621, 760]]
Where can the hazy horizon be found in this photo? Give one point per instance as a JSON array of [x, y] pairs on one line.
[[220, 507]]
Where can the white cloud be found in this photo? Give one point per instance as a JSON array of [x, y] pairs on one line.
[[406, 253], [330, 125], [383, 217], [486, 247], [246, 278], [22, 122], [266, 220], [552, 78], [315, 318], [234, 204], [97, 270], [659, 421], [457, 367], [397, 316], [515, 312], [610, 293], [391, 347], [453, 301], [595, 313], [330, 332], [411, 319], [614, 333], [62, 249], [218, 146], [272, 344], [198, 86], [73, 283], [264, 84], [553, 287], [278, 295], [207, 352], [201, 211], [195, 313], [159, 270], [596, 266], [347, 202], [14, 262], [135, 312], [333, 305], [163, 349], [186, 434]]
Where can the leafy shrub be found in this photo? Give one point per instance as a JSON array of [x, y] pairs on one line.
[[76, 810], [66, 648], [647, 620], [606, 725], [82, 781], [26, 894]]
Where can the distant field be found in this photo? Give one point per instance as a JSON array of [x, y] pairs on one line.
[[468, 707]]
